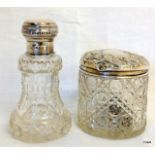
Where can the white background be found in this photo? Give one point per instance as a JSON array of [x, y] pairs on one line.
[[80, 30]]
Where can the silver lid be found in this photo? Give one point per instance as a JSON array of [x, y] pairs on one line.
[[113, 62], [39, 29]]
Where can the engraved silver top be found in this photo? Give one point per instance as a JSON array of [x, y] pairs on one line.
[[39, 35], [39, 29], [118, 62]]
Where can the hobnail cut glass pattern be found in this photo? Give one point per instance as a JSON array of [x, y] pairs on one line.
[[113, 107], [40, 115]]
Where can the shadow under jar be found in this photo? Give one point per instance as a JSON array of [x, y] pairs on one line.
[[112, 93]]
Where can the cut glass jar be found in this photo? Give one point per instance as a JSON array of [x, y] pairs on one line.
[[112, 93]]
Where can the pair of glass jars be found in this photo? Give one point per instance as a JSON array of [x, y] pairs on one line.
[[112, 91]]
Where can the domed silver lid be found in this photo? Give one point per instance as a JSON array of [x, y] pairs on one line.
[[113, 62], [40, 29]]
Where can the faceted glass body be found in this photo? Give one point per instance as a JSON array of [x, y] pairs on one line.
[[40, 115], [113, 107]]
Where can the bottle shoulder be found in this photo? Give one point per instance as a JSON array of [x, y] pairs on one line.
[[40, 64]]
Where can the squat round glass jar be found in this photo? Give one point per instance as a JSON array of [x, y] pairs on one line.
[[112, 93]]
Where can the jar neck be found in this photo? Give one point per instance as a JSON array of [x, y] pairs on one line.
[[39, 47]]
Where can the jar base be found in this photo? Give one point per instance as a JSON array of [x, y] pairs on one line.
[[110, 135], [37, 131]]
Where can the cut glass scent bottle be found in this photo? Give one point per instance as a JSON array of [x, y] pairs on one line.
[[40, 115]]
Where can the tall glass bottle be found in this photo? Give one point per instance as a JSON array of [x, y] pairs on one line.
[[40, 115]]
